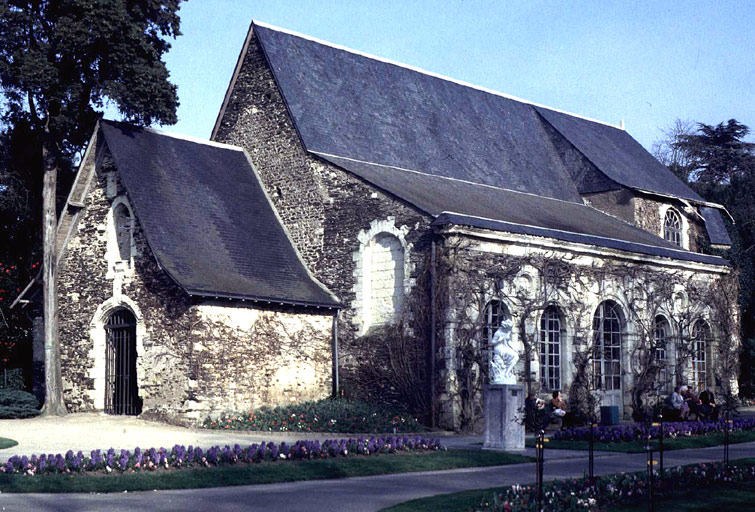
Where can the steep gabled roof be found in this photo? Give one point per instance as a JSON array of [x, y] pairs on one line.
[[444, 145], [617, 155], [345, 104], [208, 220]]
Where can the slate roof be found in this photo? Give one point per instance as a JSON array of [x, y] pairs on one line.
[[207, 219], [615, 153], [714, 224], [459, 202], [347, 105]]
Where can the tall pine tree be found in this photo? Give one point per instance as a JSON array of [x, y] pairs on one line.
[[60, 62]]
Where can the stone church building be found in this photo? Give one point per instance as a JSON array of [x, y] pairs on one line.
[[342, 193]]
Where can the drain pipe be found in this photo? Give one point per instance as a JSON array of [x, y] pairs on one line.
[[336, 387], [432, 334]]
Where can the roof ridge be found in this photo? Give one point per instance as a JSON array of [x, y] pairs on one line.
[[428, 73], [174, 135], [322, 153]]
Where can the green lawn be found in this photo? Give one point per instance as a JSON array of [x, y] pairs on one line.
[[639, 446], [262, 473], [723, 498], [7, 443]]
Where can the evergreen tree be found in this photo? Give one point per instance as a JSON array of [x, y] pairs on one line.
[[720, 166], [60, 62]]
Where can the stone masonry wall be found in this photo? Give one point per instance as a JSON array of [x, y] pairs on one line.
[[324, 208], [194, 358], [512, 273], [648, 216]]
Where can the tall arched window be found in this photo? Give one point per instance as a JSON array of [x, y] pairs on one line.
[[700, 339], [124, 229], [550, 349], [608, 327], [495, 313], [384, 278], [661, 336], [672, 227]]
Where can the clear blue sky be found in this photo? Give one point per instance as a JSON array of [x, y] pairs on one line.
[[647, 63]]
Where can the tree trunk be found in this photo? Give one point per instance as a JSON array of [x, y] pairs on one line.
[[53, 378]]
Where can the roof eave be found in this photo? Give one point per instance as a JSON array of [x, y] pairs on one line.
[[703, 259], [263, 300]]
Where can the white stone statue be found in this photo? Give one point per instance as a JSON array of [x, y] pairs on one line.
[[504, 356]]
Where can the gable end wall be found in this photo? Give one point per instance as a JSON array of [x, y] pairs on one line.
[[195, 358], [323, 207]]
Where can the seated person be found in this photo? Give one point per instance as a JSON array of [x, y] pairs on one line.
[[691, 400], [535, 416], [677, 403], [559, 406], [707, 406]]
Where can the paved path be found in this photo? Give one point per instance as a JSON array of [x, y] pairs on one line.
[[356, 494], [89, 431]]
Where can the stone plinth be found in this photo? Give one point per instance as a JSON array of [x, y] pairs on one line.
[[504, 408]]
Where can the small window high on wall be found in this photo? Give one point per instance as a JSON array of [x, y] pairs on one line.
[[124, 229], [672, 227]]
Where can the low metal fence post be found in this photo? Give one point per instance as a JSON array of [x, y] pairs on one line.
[[540, 453], [650, 463], [660, 447], [727, 423], [591, 459]]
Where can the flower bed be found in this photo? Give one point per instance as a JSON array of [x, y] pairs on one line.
[[152, 459], [640, 431], [327, 415], [582, 494]]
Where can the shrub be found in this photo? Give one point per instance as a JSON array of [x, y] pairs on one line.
[[17, 404], [320, 416]]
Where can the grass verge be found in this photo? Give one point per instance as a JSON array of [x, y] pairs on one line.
[[7, 443], [262, 473], [735, 498], [679, 443]]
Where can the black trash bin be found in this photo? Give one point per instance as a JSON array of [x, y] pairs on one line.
[[609, 414]]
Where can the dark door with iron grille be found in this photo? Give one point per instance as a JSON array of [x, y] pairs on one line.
[[121, 391]]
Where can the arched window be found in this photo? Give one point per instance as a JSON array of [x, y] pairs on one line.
[[384, 278], [550, 349], [495, 313], [661, 335], [672, 227], [124, 230], [608, 327], [700, 339]]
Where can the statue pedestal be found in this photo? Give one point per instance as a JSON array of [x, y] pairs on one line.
[[504, 414]]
